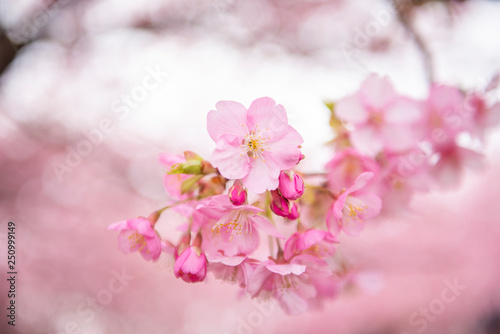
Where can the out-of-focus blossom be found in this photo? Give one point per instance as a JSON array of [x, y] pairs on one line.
[[448, 170], [291, 185], [313, 242], [346, 166], [253, 145], [237, 193], [236, 225], [353, 207], [444, 114], [138, 235], [382, 119], [484, 116]]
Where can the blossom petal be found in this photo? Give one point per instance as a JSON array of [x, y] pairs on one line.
[[351, 109], [228, 158], [373, 205], [351, 226], [264, 225], [269, 118], [285, 153], [118, 226], [367, 140], [361, 182], [332, 220], [376, 92], [230, 118], [403, 110], [257, 279], [262, 176], [286, 269]]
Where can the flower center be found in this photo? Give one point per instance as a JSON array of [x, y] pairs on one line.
[[137, 240], [254, 144], [237, 222]]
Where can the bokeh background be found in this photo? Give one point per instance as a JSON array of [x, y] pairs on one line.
[[74, 71]]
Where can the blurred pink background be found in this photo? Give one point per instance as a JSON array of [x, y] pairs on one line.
[[135, 79]]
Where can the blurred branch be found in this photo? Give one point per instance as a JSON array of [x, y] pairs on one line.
[[405, 9], [8, 50]]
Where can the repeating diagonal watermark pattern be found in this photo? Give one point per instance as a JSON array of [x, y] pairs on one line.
[[122, 107], [420, 319]]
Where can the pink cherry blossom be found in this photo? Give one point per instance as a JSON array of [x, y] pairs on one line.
[[191, 265], [253, 145], [382, 119], [291, 185], [452, 160], [297, 285], [236, 226], [138, 235], [444, 114], [353, 207], [313, 242], [483, 115]]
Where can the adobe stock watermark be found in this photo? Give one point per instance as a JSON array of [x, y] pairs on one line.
[[122, 107], [420, 319], [30, 26], [255, 319], [86, 311], [372, 29]]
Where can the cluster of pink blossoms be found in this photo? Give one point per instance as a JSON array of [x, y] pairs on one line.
[[250, 196]]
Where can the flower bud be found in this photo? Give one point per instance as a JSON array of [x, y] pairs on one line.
[[291, 185], [191, 265], [294, 212], [237, 193], [279, 204]]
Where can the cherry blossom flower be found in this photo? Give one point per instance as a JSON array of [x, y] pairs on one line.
[[297, 285], [253, 145], [444, 114], [353, 207], [138, 235], [236, 226], [382, 119], [452, 160]]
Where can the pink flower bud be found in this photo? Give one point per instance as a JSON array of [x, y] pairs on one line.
[[237, 193], [291, 185], [279, 204], [294, 212], [191, 265]]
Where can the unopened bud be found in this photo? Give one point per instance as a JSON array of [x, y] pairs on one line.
[[291, 185], [237, 193], [279, 204], [294, 211]]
